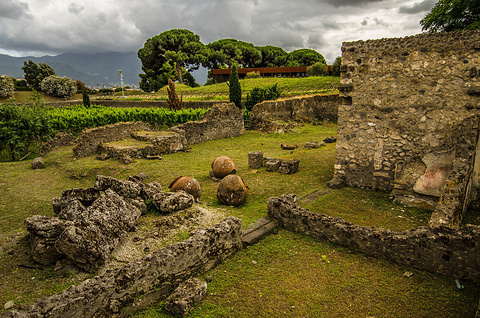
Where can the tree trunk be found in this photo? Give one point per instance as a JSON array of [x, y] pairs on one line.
[[179, 73]]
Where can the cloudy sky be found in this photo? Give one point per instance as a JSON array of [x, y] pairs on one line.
[[40, 27]]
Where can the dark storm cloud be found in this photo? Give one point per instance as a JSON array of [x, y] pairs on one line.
[[418, 7], [375, 21], [75, 8], [12, 9], [58, 26]]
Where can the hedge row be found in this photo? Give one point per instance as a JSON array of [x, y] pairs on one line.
[[78, 117]]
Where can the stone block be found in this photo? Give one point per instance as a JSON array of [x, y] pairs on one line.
[[44, 231], [272, 164], [38, 163], [255, 159], [127, 189], [187, 295], [289, 166], [169, 202], [72, 211]]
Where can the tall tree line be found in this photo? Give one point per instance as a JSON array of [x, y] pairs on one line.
[[175, 53]]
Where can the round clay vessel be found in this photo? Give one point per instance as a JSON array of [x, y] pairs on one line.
[[223, 166], [232, 190], [187, 184]]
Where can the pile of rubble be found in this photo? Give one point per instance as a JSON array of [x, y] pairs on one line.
[[91, 221]]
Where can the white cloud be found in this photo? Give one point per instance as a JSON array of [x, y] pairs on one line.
[[57, 26]]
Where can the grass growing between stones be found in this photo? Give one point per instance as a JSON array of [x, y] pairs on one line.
[[284, 275]]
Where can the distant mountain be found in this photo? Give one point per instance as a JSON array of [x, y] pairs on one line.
[[95, 70]]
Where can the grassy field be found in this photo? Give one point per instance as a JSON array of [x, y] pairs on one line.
[[289, 86], [284, 275]]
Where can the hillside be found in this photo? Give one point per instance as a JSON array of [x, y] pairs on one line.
[[96, 70]]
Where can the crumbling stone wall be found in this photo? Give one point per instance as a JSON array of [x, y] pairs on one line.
[[408, 117], [316, 107], [139, 284], [221, 121], [126, 103], [90, 139], [442, 250]]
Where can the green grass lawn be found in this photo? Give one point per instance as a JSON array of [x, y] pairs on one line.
[[284, 275]]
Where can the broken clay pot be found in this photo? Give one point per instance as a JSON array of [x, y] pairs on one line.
[[187, 184]]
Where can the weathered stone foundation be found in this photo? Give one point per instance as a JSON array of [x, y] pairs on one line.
[[310, 108], [221, 121], [442, 250], [139, 284]]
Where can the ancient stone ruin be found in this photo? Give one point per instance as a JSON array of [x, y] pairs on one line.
[[127, 141], [408, 120], [256, 160], [121, 291], [221, 121], [92, 221], [265, 116], [442, 250]]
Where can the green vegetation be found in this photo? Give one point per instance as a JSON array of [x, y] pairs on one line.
[[174, 53], [452, 15], [57, 86], [86, 99], [336, 66], [288, 86], [23, 127], [7, 86], [258, 95], [77, 118], [317, 69], [34, 74], [234, 88], [285, 274]]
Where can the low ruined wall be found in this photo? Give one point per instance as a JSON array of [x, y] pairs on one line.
[[442, 250], [221, 121], [121, 103], [315, 107], [142, 283], [90, 139]]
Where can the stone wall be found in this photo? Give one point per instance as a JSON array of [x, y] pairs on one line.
[[221, 121], [139, 284], [316, 107], [442, 250], [90, 139], [122, 103], [408, 117]]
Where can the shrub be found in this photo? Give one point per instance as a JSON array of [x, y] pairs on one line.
[[317, 69], [235, 89], [105, 90], [57, 86], [6, 86], [336, 66], [22, 126], [252, 75], [258, 95], [86, 99], [81, 86]]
